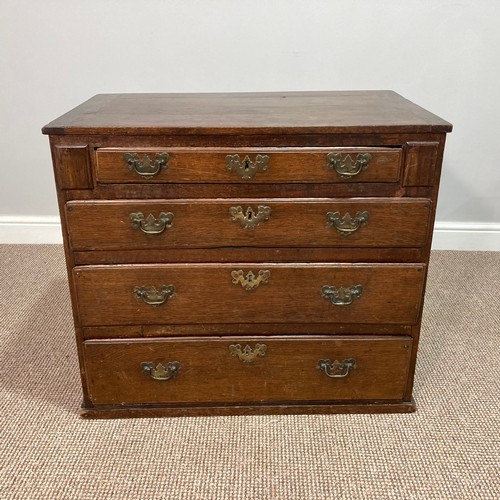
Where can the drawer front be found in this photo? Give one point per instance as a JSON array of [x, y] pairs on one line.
[[243, 371], [146, 224], [248, 165], [249, 293]]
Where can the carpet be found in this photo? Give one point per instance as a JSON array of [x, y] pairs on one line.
[[449, 448]]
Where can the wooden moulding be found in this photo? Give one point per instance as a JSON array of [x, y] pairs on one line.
[[235, 255], [254, 409], [250, 329]]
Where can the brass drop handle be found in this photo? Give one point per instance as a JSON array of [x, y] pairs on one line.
[[145, 166], [347, 225], [341, 296], [153, 297], [161, 371], [346, 167], [247, 354], [337, 369], [246, 168], [250, 219], [150, 224]]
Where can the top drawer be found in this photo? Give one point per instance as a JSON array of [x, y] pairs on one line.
[[248, 165]]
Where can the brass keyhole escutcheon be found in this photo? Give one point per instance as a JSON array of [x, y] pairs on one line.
[[247, 354], [250, 281], [247, 168], [249, 219]]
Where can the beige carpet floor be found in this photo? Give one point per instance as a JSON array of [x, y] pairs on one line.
[[450, 448]]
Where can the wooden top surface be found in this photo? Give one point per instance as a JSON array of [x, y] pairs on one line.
[[248, 113]]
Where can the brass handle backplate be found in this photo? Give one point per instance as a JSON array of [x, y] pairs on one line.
[[341, 296], [347, 225], [337, 369], [144, 166], [346, 167], [250, 218], [247, 168], [250, 281], [152, 296], [150, 224], [161, 371], [247, 354]]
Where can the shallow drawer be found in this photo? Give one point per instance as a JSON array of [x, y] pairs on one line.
[[146, 224], [244, 165], [238, 370], [249, 293]]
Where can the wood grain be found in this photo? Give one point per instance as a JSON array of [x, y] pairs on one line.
[[246, 329], [288, 371], [286, 165], [257, 255], [204, 293], [72, 166], [248, 113], [420, 164], [209, 223]]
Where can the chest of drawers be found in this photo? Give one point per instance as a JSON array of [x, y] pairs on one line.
[[247, 253]]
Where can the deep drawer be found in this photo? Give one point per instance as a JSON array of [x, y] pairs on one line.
[[243, 371], [249, 293], [147, 224], [248, 165]]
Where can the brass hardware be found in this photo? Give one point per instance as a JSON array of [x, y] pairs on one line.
[[247, 354], [250, 219], [347, 225], [341, 296], [250, 281], [146, 167], [151, 225], [247, 168], [336, 369], [347, 167], [161, 371], [152, 296]]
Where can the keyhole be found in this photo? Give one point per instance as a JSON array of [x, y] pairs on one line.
[[246, 164]]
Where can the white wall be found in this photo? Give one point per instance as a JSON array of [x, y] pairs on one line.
[[444, 55]]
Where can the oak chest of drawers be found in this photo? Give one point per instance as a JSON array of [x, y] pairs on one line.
[[247, 253]]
